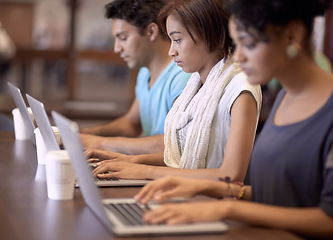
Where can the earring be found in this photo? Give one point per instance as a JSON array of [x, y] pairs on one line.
[[292, 51]]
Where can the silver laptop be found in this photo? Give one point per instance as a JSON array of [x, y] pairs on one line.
[[51, 144], [20, 104], [99, 182], [43, 123], [123, 217]]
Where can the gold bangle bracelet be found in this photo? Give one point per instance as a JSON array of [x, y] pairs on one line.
[[241, 194]]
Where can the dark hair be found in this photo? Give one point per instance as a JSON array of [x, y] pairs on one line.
[[139, 13], [207, 19], [257, 14]]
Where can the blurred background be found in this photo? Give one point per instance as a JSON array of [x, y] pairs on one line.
[[64, 57]]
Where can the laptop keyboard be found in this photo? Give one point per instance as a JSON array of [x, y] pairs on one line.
[[93, 166], [129, 213], [105, 179]]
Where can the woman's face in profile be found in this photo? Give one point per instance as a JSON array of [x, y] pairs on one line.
[[260, 60], [190, 56]]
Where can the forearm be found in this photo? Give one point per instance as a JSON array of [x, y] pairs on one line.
[[143, 145], [207, 173], [217, 189], [202, 174], [155, 159], [307, 221], [118, 127]]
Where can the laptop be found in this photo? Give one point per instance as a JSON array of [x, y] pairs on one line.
[[51, 144], [20, 104], [43, 123], [48, 136], [122, 217]]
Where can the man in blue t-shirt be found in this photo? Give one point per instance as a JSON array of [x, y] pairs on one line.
[[142, 44]]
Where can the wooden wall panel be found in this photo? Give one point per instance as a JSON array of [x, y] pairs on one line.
[[17, 19]]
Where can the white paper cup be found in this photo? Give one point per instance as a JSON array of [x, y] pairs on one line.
[[57, 134], [21, 131], [41, 146], [60, 176]]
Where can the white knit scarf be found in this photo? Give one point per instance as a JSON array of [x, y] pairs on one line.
[[197, 104]]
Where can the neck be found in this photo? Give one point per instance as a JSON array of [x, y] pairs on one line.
[[301, 75], [308, 88], [212, 60], [159, 60]]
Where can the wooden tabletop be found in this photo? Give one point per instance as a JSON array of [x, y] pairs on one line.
[[27, 213]]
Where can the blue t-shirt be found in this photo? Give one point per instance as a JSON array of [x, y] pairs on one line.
[[156, 102], [290, 164]]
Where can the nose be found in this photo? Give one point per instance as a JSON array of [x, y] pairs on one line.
[[172, 51], [238, 55], [117, 46]]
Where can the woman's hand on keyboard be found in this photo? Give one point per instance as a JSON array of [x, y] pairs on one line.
[[96, 155], [121, 169], [180, 213], [170, 187]]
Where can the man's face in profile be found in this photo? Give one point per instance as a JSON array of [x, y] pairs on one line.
[[129, 43]]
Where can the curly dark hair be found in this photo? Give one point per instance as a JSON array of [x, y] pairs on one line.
[[207, 19], [258, 13], [139, 13]]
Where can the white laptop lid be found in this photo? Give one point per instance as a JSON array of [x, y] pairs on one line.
[[71, 140], [20, 104], [43, 123]]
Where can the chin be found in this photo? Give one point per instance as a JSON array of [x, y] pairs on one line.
[[257, 79], [254, 80], [132, 66], [187, 70]]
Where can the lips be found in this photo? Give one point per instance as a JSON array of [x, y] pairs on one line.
[[125, 58], [178, 63], [246, 70]]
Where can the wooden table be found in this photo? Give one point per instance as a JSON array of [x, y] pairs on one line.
[[27, 213]]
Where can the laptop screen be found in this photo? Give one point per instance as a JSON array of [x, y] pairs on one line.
[[20, 104], [72, 142], [43, 123]]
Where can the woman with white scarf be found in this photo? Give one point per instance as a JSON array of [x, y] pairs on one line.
[[210, 130]]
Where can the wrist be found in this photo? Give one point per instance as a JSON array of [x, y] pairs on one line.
[[103, 143], [241, 193], [228, 208], [208, 188], [235, 190], [96, 131], [139, 159], [150, 173]]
